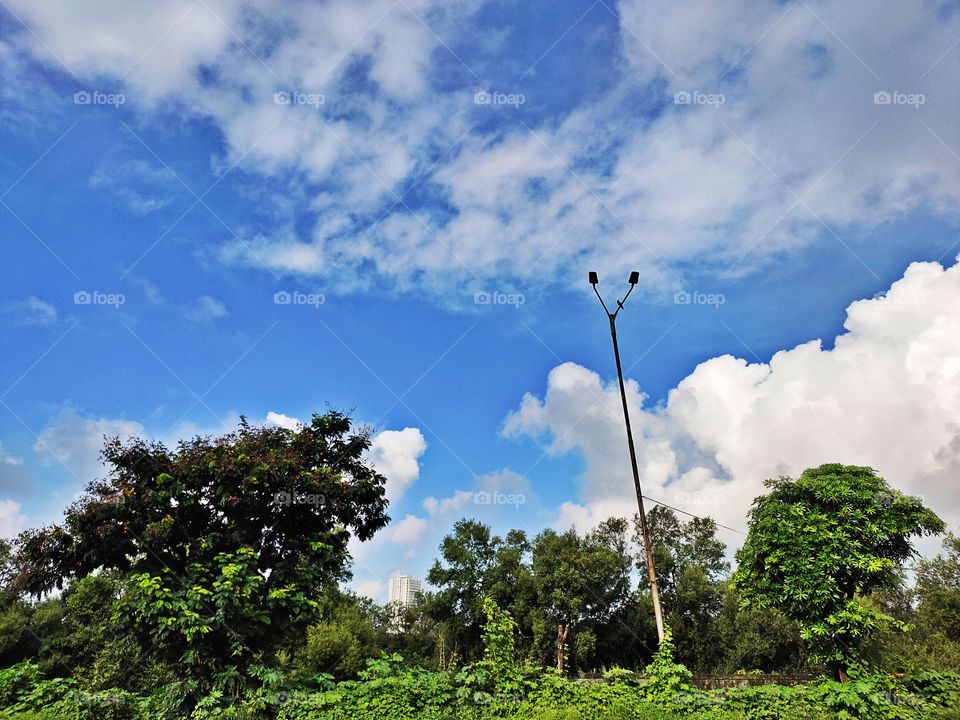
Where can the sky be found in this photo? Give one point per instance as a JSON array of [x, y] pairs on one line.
[[269, 208]]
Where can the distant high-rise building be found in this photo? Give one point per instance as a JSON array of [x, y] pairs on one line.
[[403, 590]]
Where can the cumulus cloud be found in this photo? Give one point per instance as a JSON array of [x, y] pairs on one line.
[[501, 499], [395, 454], [886, 395], [797, 141], [284, 421], [408, 530]]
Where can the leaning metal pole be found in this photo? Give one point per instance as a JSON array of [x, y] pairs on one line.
[[644, 528]]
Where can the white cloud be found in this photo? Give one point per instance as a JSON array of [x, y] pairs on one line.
[[12, 520], [409, 530], [395, 454], [206, 309], [142, 187], [76, 443], [32, 311], [284, 421], [8, 459], [500, 499], [798, 138], [887, 395], [373, 588]]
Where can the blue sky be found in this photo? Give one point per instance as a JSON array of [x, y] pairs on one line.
[[791, 168]]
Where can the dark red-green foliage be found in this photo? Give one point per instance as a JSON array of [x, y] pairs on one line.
[[216, 563]]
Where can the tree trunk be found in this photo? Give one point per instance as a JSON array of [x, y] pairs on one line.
[[562, 631], [839, 672]]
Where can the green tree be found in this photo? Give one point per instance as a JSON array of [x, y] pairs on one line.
[[690, 567], [227, 543], [474, 564], [342, 641], [819, 543], [938, 588], [581, 585], [932, 608], [756, 638]]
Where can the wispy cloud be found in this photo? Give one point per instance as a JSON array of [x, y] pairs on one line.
[[761, 131], [206, 309], [32, 311]]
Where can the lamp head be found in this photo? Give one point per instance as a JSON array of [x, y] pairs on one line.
[[592, 276], [634, 277]]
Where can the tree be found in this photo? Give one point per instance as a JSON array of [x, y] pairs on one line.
[[226, 544], [581, 583], [932, 607], [756, 638], [462, 578], [938, 587], [690, 567], [342, 641], [475, 565], [817, 544]]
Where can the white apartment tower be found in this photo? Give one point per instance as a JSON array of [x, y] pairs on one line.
[[403, 590]]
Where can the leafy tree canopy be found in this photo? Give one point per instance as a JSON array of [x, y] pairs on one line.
[[226, 543], [818, 542]]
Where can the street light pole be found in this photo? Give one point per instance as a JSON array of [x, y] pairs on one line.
[[644, 528]]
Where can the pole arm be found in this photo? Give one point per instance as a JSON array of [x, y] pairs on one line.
[[603, 303]]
